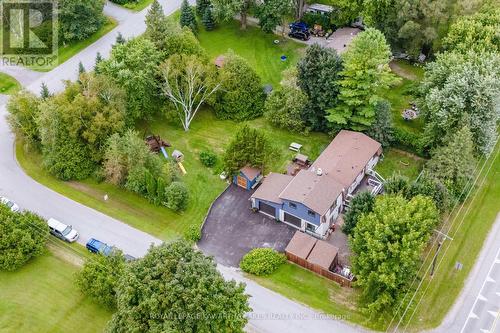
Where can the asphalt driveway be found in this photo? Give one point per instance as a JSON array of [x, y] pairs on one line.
[[232, 229]]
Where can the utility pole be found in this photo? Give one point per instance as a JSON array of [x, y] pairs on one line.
[[440, 243]]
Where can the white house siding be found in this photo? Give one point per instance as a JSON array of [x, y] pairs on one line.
[[372, 162]]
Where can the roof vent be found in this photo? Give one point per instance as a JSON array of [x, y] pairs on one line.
[[319, 172]]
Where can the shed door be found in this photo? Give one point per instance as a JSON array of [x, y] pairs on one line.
[[266, 208], [294, 220], [242, 182]]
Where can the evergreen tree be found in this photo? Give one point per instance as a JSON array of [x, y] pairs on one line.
[[317, 76], [98, 59], [81, 68], [366, 73], [157, 25], [120, 39], [362, 203], [44, 91], [201, 7], [188, 19], [382, 128], [208, 19]]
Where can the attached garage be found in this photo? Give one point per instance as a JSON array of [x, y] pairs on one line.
[[266, 208], [293, 220]]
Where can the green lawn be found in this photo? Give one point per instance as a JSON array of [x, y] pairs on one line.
[[399, 161], [8, 85], [67, 51], [138, 5], [206, 132], [402, 94], [42, 297], [303, 286], [480, 212], [255, 46]]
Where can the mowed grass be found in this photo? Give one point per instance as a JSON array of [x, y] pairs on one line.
[[69, 50], [42, 297], [304, 286], [8, 85], [204, 184], [470, 229], [397, 161], [138, 5], [403, 93], [257, 47]]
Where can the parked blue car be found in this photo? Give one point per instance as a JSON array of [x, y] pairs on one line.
[[96, 246]]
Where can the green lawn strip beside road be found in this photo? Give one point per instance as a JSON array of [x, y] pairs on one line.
[[42, 297], [319, 293], [204, 184], [67, 51], [399, 161], [478, 216], [138, 5], [257, 47], [8, 85]]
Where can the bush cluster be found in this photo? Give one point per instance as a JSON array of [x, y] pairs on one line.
[[409, 141], [208, 158], [262, 261]]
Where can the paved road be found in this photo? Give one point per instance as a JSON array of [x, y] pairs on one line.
[[478, 306], [271, 312]]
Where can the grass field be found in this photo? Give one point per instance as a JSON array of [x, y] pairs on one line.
[[400, 162], [255, 46], [469, 231], [8, 85], [305, 287], [206, 132], [67, 51], [138, 5], [42, 297]]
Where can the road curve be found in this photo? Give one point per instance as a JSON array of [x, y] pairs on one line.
[[271, 311]]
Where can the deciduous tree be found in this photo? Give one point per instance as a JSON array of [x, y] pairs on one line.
[[22, 237], [23, 108], [366, 72], [176, 288], [382, 128], [187, 83], [362, 203], [99, 277], [462, 89], [387, 244], [79, 19], [273, 13], [284, 106]]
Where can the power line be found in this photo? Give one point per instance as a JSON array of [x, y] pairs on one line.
[[456, 231], [451, 226], [436, 240]]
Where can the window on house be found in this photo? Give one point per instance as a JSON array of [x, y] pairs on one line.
[[310, 227], [291, 204], [311, 213]]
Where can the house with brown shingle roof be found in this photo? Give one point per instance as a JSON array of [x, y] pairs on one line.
[[312, 199]]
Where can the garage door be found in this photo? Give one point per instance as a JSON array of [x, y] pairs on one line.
[[268, 209], [293, 220], [242, 182]]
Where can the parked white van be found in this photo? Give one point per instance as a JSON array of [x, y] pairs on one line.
[[62, 231]]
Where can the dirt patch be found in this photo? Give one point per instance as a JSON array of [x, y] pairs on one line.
[[402, 72], [66, 255]]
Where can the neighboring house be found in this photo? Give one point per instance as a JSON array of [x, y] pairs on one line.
[[312, 200], [247, 177]]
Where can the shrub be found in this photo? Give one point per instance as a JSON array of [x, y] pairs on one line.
[[410, 142], [262, 261], [22, 237], [396, 184], [193, 233], [99, 277], [177, 196], [362, 203], [208, 158]]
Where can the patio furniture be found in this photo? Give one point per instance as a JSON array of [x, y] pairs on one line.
[[294, 146]]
